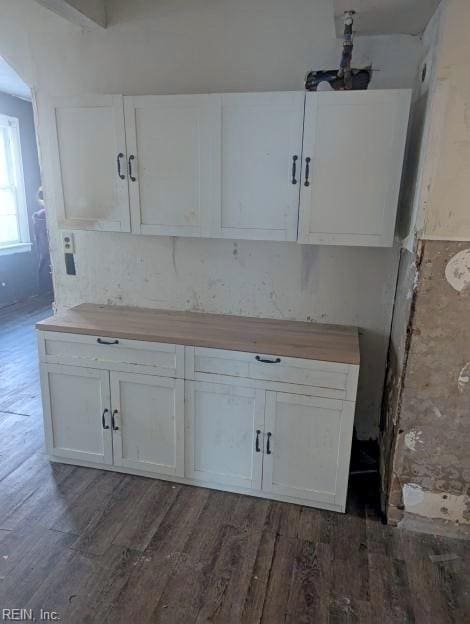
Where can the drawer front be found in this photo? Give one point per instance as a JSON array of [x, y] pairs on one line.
[[340, 378], [112, 353]]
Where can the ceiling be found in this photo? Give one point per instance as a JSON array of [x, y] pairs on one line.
[[378, 17], [11, 83]]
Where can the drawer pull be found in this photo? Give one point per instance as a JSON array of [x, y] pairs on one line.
[[268, 443], [267, 361], [258, 433], [107, 342], [113, 422], [103, 419]]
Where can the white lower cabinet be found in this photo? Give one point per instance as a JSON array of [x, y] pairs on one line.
[[225, 425], [106, 417], [76, 402], [307, 446], [286, 445], [221, 425], [148, 423]]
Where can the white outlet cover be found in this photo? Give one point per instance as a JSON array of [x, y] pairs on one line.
[[68, 242]]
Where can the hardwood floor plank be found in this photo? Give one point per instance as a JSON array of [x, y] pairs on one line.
[[256, 590], [308, 600], [143, 590], [104, 527], [223, 600], [181, 600]]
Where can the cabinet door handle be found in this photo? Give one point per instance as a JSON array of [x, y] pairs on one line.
[[307, 171], [294, 169], [131, 158], [268, 443], [267, 360], [107, 342], [103, 419], [113, 422], [258, 433], [120, 174]]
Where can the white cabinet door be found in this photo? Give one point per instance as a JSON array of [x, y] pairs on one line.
[[77, 415], [224, 434], [88, 162], [148, 423], [261, 151], [174, 150], [307, 447], [353, 149]]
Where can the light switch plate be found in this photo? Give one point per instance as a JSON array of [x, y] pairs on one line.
[[68, 244]]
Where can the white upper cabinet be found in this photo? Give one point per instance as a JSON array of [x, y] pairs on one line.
[[353, 151], [260, 149], [319, 168], [88, 148], [173, 145]]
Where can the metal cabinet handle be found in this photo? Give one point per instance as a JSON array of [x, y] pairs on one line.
[[258, 433], [129, 164], [113, 422], [107, 342], [267, 360], [307, 171], [103, 419], [120, 174], [268, 443], [294, 169]]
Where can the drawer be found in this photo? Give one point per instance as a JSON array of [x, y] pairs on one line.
[[340, 378], [110, 353]]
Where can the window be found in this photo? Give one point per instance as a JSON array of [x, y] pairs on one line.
[[14, 229]]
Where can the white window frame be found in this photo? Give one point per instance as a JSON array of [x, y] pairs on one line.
[[24, 243]]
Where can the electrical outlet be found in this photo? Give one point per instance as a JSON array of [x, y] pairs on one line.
[[68, 243]]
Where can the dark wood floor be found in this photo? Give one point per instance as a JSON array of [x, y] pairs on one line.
[[100, 547]]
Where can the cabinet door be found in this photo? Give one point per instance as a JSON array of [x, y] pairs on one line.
[[148, 423], [355, 142], [77, 415], [221, 434], [88, 159], [307, 447], [261, 150], [174, 144]]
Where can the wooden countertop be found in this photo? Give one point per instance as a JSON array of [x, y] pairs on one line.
[[313, 341]]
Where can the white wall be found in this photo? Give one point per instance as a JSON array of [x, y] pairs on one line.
[[189, 46]]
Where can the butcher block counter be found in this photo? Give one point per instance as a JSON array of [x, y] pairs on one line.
[[314, 341], [257, 406]]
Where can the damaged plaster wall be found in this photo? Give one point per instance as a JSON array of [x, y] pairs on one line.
[[425, 419], [431, 463], [193, 46]]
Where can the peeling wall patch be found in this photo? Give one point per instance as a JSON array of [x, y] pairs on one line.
[[458, 270], [412, 438], [464, 377], [430, 504], [412, 495]]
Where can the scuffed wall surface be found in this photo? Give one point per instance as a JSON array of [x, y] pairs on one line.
[[431, 464], [192, 46]]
